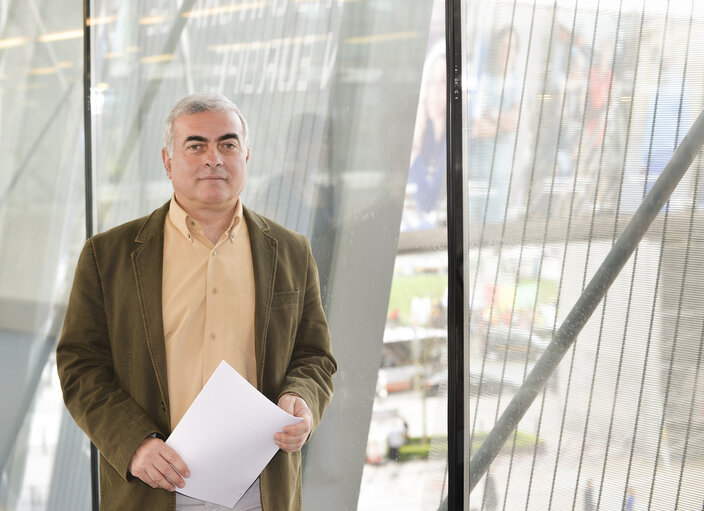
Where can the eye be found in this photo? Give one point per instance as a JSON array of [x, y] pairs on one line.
[[193, 148], [229, 146]]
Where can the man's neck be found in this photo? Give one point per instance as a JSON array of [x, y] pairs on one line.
[[213, 221], [213, 231]]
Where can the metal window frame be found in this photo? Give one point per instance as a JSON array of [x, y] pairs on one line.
[[455, 253], [88, 196]]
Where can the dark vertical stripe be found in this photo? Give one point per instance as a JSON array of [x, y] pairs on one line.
[[88, 188], [455, 253], [88, 133]]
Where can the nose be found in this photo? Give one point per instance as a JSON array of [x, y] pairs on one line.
[[213, 158]]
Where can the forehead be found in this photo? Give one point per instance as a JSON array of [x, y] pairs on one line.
[[207, 124]]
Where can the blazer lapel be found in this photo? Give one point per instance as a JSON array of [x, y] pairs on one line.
[[264, 260], [147, 262]]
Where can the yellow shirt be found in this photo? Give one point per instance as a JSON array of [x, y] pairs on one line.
[[207, 304]]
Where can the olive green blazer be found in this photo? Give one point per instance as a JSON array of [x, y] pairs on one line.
[[111, 356]]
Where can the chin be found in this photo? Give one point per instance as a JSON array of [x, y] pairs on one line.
[[214, 194], [217, 200]]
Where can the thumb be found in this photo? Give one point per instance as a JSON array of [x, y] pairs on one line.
[[288, 403]]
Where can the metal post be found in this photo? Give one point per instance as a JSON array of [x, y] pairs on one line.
[[88, 184], [455, 254], [589, 300]]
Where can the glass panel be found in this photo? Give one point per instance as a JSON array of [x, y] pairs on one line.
[[407, 446], [573, 110], [41, 225]]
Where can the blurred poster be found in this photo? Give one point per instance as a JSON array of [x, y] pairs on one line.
[[425, 201]]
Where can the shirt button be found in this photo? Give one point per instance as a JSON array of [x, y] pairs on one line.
[[213, 252], [215, 290], [212, 337]]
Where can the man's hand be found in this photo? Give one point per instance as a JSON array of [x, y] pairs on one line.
[[292, 438], [158, 465]]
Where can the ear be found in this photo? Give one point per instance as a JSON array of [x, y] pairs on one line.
[[167, 161], [247, 157]]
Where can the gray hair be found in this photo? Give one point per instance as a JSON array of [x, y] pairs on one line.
[[194, 104]]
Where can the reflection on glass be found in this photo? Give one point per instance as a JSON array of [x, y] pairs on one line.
[[41, 221], [493, 128], [572, 112], [425, 204], [406, 451]]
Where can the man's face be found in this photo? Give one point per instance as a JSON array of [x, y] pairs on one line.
[[208, 167]]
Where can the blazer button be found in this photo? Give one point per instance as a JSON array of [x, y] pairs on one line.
[[163, 407]]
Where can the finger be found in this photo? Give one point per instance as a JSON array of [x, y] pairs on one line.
[[296, 429], [144, 477], [301, 408], [148, 480], [173, 459], [287, 440], [289, 443], [287, 403], [170, 473], [158, 478], [291, 447]]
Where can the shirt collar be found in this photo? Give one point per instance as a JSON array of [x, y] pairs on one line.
[[189, 226], [236, 225]]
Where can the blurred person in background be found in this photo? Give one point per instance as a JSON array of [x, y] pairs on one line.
[[427, 173], [493, 129]]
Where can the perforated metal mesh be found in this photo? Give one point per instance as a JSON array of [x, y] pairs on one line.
[[573, 110]]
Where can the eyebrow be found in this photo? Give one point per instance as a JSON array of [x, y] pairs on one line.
[[229, 135], [199, 138]]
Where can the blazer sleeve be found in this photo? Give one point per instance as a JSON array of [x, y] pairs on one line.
[[312, 365], [113, 420]]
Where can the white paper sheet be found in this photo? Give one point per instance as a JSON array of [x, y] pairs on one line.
[[227, 437]]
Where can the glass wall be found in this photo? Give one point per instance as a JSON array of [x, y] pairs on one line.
[[406, 455], [573, 109], [41, 226], [331, 91]]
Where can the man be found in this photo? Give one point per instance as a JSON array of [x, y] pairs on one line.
[[589, 496], [158, 302]]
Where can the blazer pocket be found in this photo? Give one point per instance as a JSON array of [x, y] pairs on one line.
[[284, 299]]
